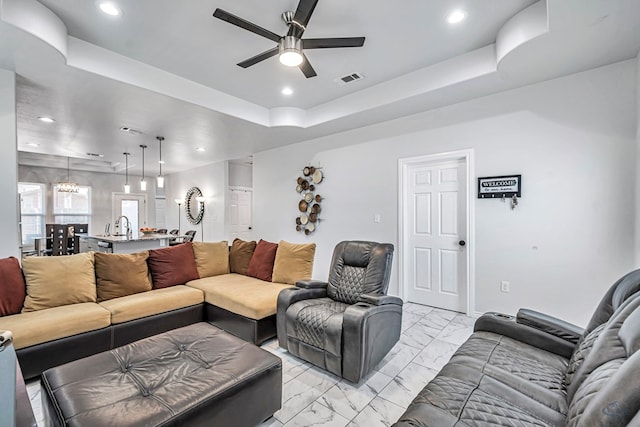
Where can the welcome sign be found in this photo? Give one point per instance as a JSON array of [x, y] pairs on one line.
[[499, 186]]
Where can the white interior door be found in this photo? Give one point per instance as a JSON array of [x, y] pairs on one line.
[[240, 214], [435, 217], [134, 207]]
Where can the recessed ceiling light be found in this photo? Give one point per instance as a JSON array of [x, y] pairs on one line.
[[200, 149], [109, 8], [287, 91], [33, 144], [456, 16], [46, 119]]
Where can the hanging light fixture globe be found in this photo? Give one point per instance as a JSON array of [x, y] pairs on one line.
[[160, 178], [68, 186]]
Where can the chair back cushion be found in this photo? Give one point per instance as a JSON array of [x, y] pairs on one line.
[[175, 265], [12, 286], [56, 281], [212, 258], [240, 255], [261, 264], [618, 293], [119, 275], [359, 268], [293, 262]]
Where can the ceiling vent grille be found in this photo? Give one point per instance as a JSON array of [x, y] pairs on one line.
[[349, 78]]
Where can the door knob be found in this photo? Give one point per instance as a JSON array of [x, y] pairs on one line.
[[462, 243], [250, 228]]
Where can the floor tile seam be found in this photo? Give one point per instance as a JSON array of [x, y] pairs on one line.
[[358, 412], [349, 420]]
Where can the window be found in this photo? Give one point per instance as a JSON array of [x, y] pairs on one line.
[[32, 210], [72, 208]]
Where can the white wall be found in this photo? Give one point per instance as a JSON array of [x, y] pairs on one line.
[[213, 182], [102, 186], [573, 141], [10, 242]]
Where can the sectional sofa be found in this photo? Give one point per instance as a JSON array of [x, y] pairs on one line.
[[79, 305], [535, 370]]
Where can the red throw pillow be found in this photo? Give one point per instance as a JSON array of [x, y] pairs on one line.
[[175, 265], [261, 264], [12, 287]]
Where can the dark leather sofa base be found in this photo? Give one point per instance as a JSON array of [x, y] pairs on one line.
[[198, 375], [255, 331], [128, 332], [38, 358]]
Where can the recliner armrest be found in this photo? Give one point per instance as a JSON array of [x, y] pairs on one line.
[[289, 296], [506, 325], [549, 324], [311, 284], [379, 299]]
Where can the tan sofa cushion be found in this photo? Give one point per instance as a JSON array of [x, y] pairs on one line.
[[58, 281], [119, 275], [50, 324], [152, 302], [240, 255], [293, 262], [247, 296], [212, 258]]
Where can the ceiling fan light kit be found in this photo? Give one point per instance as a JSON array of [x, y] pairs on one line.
[[290, 51], [290, 48]]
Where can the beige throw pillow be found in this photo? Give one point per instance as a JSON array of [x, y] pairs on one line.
[[293, 262], [59, 280], [119, 275], [212, 258]]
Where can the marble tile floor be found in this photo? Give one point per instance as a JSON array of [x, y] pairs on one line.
[[313, 397]]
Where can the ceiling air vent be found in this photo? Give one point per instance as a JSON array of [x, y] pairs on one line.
[[131, 130], [349, 78]]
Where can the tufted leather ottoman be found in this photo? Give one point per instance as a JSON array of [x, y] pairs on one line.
[[193, 376]]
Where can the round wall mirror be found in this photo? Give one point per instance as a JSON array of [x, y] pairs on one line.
[[193, 208]]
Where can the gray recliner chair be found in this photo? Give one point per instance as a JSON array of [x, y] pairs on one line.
[[348, 324]]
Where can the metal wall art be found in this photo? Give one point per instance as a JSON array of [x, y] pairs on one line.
[[192, 207], [309, 204]]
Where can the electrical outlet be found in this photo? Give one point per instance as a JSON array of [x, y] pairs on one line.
[[505, 286], [376, 218]]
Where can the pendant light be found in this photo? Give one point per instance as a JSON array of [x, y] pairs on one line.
[[143, 183], [127, 187], [68, 186], [160, 178]]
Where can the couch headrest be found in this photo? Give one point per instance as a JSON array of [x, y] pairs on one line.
[[630, 331], [618, 293]]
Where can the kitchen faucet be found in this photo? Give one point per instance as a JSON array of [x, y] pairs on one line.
[[117, 226]]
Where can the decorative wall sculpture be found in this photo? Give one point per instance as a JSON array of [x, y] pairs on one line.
[[193, 208], [309, 205]]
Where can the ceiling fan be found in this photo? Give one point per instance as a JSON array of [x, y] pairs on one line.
[[290, 46]]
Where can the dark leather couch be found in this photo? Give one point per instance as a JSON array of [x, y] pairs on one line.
[[348, 324], [535, 370]]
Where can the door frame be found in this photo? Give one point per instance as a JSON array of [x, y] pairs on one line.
[[114, 206], [403, 166]]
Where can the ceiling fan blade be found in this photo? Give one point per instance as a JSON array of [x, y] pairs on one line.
[[301, 17], [249, 26], [332, 42], [258, 58], [306, 67]]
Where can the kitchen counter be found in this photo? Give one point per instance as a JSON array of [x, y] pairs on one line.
[[122, 244]]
